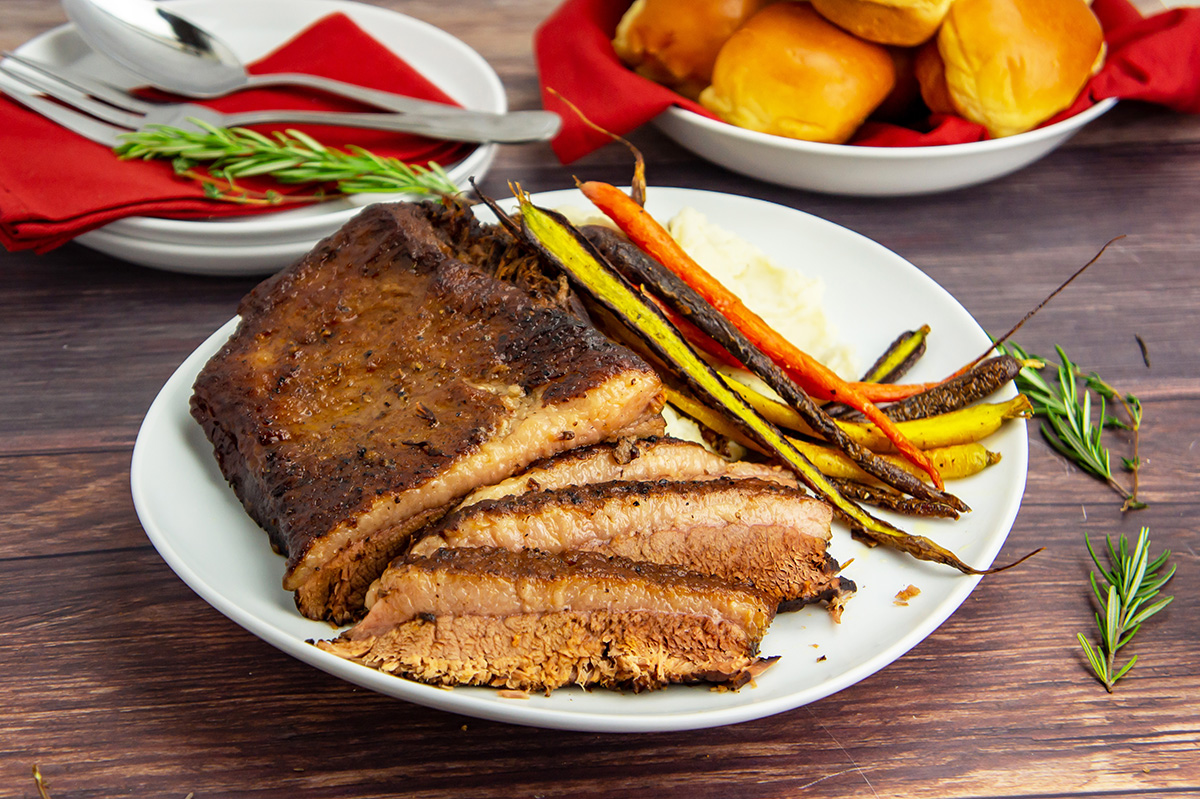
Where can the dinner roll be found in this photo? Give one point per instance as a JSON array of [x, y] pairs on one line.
[[900, 22], [675, 42], [1011, 64], [904, 99], [789, 72], [931, 78]]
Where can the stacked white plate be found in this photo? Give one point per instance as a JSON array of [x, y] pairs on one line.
[[264, 243]]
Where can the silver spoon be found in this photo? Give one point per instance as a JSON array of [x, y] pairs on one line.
[[178, 56]]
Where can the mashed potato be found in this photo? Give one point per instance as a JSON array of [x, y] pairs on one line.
[[788, 301]]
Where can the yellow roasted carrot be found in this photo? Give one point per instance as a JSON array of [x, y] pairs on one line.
[[963, 426], [955, 427], [954, 462]]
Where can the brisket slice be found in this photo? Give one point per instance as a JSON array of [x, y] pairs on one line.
[[658, 458], [534, 621], [745, 531], [378, 381]]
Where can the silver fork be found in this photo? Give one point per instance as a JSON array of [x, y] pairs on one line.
[[128, 113]]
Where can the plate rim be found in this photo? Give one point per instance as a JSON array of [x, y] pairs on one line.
[[512, 711]]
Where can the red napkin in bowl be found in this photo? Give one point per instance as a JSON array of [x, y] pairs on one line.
[[1156, 60], [55, 185]]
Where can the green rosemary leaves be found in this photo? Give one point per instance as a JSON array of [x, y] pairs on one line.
[[1066, 407], [288, 156], [1133, 582]]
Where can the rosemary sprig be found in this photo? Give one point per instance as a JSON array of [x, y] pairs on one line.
[[1132, 582], [287, 156], [38, 782], [1067, 408]]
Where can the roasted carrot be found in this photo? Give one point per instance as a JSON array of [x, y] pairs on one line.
[[874, 392], [899, 357], [668, 289], [813, 376], [960, 426], [881, 392], [884, 497], [955, 392], [566, 248], [955, 461], [697, 337]]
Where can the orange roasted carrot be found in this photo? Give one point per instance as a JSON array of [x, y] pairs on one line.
[[893, 392], [810, 374], [875, 392]]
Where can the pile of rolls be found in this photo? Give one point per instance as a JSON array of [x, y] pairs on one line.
[[817, 70]]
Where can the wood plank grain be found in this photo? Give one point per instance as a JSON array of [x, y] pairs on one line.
[[68, 503], [118, 680], [104, 336], [133, 662]]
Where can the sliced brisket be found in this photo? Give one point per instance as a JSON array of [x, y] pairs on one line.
[[629, 459], [534, 621], [746, 531]]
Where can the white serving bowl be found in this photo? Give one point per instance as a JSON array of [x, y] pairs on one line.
[[866, 171]]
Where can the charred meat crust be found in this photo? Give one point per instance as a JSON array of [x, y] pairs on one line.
[[494, 250], [378, 366]]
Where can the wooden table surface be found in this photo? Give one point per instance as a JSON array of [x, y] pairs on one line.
[[117, 680]]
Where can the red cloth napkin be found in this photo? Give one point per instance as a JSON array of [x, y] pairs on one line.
[[55, 185], [1156, 60]]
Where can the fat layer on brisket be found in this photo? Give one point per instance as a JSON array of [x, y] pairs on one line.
[[379, 380], [746, 530], [535, 621]]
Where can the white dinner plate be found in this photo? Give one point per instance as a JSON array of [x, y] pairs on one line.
[[866, 171], [253, 29], [201, 530], [193, 259]]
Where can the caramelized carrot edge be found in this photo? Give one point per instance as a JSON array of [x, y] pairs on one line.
[[810, 374]]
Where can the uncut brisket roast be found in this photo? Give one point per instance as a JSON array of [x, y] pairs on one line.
[[379, 380], [535, 621]]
